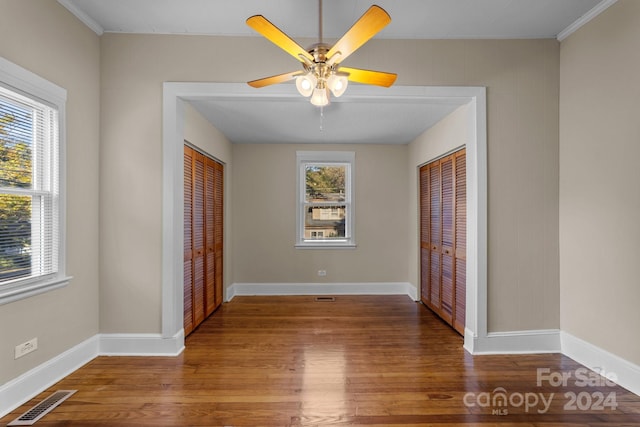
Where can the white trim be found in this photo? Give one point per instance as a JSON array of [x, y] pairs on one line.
[[518, 342], [28, 385], [476, 286], [141, 344], [30, 289], [267, 289], [599, 360], [412, 292], [344, 158], [575, 26], [83, 17], [172, 209], [332, 156], [469, 340], [330, 245], [31, 85]]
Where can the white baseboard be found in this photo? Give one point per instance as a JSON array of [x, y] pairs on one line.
[[381, 288], [599, 360], [28, 385], [469, 341], [412, 292], [141, 344], [517, 342]]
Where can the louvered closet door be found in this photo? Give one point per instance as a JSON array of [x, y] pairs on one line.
[[198, 238], [188, 241], [425, 253], [446, 249], [218, 218], [443, 238], [210, 188], [435, 234], [460, 241], [203, 230]]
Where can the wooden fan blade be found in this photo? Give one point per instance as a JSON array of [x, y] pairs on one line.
[[274, 79], [278, 37], [369, 24], [378, 78]]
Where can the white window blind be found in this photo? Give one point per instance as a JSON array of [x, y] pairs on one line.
[[28, 187], [31, 202]]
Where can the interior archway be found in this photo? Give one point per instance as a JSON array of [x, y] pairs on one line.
[[175, 94]]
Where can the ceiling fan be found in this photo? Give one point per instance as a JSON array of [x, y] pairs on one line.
[[322, 72]]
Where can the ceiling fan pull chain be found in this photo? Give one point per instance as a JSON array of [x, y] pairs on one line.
[[321, 118]]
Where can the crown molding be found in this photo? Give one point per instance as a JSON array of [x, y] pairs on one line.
[[597, 10], [83, 17]]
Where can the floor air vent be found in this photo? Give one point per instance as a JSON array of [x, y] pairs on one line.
[[325, 299], [30, 417]]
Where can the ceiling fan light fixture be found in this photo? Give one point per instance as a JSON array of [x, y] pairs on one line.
[[320, 96], [306, 84], [337, 84], [323, 73]]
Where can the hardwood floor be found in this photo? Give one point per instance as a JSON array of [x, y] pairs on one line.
[[361, 360]]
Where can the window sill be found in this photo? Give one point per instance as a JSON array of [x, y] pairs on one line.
[[325, 246], [15, 292]]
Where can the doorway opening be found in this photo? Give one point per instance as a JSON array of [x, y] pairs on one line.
[[203, 237], [176, 94]]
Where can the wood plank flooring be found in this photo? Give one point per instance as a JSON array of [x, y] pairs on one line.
[[361, 360]]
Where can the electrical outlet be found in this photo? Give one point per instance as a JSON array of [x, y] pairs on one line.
[[26, 347], [322, 273]]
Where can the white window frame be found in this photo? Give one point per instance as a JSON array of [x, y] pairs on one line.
[[30, 85], [346, 158]]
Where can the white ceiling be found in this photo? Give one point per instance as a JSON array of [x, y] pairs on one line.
[[421, 19], [277, 114], [355, 119]]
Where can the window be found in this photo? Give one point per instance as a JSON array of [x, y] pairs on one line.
[[31, 129], [325, 199]]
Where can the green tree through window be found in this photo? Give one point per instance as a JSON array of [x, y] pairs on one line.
[[325, 182], [16, 125]]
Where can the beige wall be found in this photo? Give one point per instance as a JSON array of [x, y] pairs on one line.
[[448, 134], [522, 93], [534, 295], [522, 79], [44, 38], [201, 133], [134, 69], [264, 209], [599, 196]]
